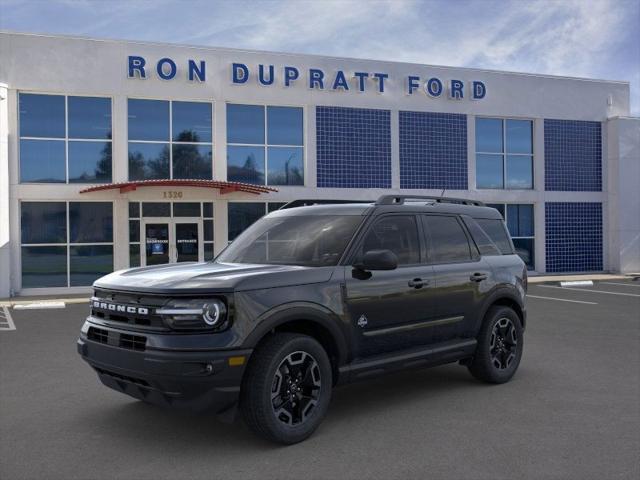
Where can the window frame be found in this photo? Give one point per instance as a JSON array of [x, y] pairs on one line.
[[66, 139], [266, 145], [67, 243], [504, 154], [170, 142]]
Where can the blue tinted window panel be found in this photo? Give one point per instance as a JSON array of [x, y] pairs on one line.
[[42, 161], [88, 263], [41, 115], [489, 135], [242, 215], [148, 119], [433, 150], [89, 117], [285, 166], [489, 171], [284, 126], [192, 161], [192, 122], [573, 236], [148, 161], [245, 124], [44, 267], [43, 222], [245, 164], [353, 147], [90, 222], [573, 155], [89, 162]]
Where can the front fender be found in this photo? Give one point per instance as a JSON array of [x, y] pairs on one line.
[[308, 311]]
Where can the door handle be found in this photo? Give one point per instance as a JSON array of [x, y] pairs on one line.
[[478, 277], [417, 283]]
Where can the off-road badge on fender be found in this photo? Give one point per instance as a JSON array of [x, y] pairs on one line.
[[362, 321]]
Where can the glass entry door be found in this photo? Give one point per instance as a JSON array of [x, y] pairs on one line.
[[188, 241], [172, 240], [156, 243]]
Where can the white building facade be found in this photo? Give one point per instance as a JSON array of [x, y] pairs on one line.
[[116, 154]]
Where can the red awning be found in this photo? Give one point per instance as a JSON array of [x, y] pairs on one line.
[[224, 187]]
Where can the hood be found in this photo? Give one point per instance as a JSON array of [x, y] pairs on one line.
[[187, 278]]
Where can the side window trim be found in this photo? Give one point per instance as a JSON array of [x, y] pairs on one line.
[[474, 255], [366, 228]]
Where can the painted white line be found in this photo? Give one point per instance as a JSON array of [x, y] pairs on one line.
[[38, 305], [561, 299], [8, 319], [622, 284], [577, 283], [589, 290]]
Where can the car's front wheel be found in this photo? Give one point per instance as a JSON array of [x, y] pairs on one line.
[[500, 345], [287, 388]]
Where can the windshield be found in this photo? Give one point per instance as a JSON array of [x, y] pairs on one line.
[[310, 241]]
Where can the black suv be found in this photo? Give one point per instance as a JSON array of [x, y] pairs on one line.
[[309, 297]]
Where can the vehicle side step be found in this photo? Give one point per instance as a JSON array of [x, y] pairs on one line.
[[439, 353]]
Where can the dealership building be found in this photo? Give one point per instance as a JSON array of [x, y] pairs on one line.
[[116, 154]]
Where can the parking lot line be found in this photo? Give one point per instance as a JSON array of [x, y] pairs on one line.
[[591, 290], [621, 284], [561, 299], [6, 322]]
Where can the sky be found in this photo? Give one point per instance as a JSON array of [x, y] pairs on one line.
[[580, 38]]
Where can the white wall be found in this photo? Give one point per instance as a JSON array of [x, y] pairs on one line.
[[623, 156], [5, 245]]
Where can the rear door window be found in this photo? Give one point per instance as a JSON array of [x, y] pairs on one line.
[[447, 240]]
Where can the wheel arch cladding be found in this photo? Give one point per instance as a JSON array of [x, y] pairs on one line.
[[321, 327], [508, 301]]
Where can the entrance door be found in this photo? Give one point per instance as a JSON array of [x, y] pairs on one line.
[[170, 240]]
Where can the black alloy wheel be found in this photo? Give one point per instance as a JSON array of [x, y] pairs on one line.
[[504, 343], [295, 390]]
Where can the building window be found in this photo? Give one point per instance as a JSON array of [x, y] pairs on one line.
[[242, 214], [65, 139], [170, 140], [504, 153], [519, 220], [265, 144], [65, 244]]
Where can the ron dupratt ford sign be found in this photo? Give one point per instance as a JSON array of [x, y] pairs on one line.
[[314, 78]]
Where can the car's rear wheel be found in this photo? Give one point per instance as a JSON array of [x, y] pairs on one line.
[[500, 346], [287, 388]]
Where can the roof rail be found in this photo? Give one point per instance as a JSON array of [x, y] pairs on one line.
[[308, 202], [400, 199]]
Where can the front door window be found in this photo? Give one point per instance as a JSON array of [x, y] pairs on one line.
[[187, 242]]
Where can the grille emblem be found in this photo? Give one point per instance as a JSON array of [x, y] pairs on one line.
[[113, 307]]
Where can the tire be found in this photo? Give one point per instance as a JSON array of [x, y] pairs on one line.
[[297, 370], [500, 345]]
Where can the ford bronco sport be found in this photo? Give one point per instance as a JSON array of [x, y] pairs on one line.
[[310, 297]]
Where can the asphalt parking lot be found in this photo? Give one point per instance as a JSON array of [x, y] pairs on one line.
[[572, 410]]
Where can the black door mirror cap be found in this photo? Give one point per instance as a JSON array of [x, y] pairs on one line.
[[377, 260]]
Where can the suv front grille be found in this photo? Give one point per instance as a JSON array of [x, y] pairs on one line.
[[137, 311], [122, 340]]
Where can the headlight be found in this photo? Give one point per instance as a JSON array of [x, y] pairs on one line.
[[209, 314]]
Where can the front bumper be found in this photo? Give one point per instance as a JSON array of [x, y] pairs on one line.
[[196, 380]]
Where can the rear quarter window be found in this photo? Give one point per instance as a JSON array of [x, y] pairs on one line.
[[493, 238]]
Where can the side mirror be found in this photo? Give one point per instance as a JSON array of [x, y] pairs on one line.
[[378, 260]]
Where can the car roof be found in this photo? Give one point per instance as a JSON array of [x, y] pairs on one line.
[[473, 211]]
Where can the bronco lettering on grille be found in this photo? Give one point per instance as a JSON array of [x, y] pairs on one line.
[[120, 308]]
